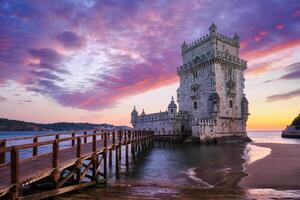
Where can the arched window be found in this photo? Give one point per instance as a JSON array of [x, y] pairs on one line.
[[195, 105], [172, 111], [230, 103]]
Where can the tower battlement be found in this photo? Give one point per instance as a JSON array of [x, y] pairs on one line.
[[234, 41]]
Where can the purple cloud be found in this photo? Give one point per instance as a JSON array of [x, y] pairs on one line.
[[70, 40], [139, 42], [294, 72], [284, 96]]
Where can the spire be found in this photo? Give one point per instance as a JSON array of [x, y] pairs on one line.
[[134, 112], [213, 26], [184, 46], [213, 29], [236, 38], [172, 103], [143, 113]]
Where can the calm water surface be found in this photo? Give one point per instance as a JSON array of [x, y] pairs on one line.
[[188, 171]]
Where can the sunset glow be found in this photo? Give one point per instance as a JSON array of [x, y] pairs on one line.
[[92, 61]]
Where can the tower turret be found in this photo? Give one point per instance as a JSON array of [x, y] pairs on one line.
[[213, 30], [244, 108], [172, 108], [134, 115], [184, 46]]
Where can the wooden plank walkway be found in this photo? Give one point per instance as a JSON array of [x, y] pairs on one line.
[[64, 168]]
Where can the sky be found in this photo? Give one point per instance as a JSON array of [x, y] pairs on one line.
[[92, 61]]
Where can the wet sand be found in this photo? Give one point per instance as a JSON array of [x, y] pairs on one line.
[[279, 170]]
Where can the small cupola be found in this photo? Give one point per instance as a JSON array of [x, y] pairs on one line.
[[213, 29], [172, 104]]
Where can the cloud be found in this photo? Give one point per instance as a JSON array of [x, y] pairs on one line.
[[134, 45], [284, 96], [280, 26], [293, 73], [2, 99], [70, 40]]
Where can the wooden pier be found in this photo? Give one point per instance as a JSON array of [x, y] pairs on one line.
[[83, 163]]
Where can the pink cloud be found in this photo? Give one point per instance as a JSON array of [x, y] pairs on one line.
[[279, 26], [260, 36], [2, 99]]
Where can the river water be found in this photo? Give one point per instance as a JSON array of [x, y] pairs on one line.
[[184, 171]]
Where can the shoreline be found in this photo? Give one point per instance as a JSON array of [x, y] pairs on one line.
[[279, 170]]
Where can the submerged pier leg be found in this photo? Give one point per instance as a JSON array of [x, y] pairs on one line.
[[127, 138], [133, 146], [104, 156], [2, 154]]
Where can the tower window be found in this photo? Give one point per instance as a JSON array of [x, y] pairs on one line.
[[195, 105], [230, 103], [172, 111]]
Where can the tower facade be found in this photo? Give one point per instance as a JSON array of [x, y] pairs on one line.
[[210, 97], [212, 85]]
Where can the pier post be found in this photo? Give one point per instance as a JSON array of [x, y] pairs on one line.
[[85, 138], [139, 143], [78, 163], [132, 145], [105, 156], [2, 152], [95, 158], [120, 144], [55, 174], [35, 148], [112, 147], [127, 138], [73, 140], [117, 159], [16, 189]]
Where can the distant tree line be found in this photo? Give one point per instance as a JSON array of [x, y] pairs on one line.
[[296, 121], [16, 125]]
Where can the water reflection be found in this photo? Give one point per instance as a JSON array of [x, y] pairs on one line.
[[178, 171]]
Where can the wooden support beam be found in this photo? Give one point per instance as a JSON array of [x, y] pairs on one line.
[[85, 138], [51, 193], [120, 144], [2, 153], [73, 140], [14, 174], [117, 160], [86, 169], [35, 148], [55, 174], [66, 178], [126, 150], [77, 165], [105, 156]]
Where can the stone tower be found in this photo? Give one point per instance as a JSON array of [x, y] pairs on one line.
[[212, 85]]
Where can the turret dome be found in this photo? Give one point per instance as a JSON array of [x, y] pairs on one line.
[[172, 104], [134, 112]]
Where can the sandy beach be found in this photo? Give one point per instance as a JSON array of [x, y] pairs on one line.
[[279, 170]]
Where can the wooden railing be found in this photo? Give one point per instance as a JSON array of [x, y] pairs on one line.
[[98, 142]]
